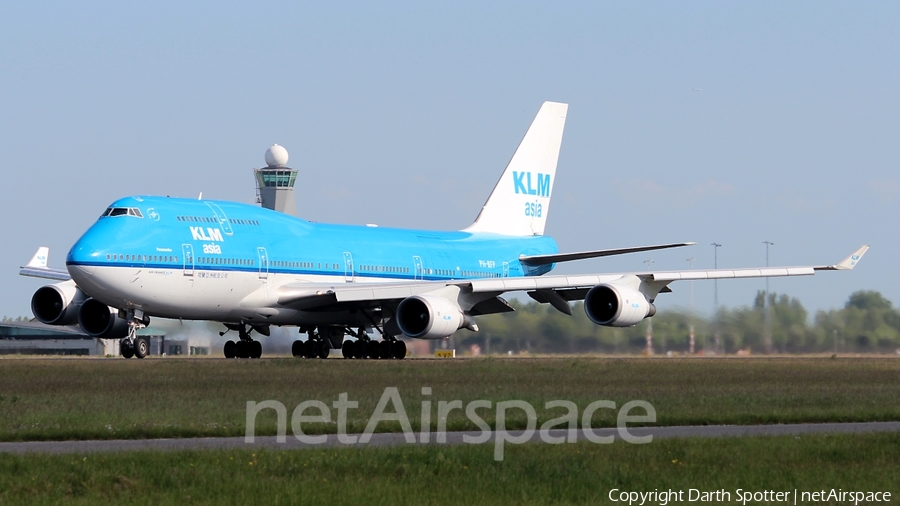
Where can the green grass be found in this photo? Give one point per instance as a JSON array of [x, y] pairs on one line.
[[47, 399], [581, 473]]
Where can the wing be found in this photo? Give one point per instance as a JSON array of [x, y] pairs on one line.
[[651, 283], [481, 296], [37, 267]]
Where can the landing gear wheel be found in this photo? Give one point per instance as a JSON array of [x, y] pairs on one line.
[[350, 349], [385, 350], [371, 350], [255, 349], [141, 347], [126, 348], [297, 349], [323, 349], [241, 349], [229, 349], [398, 350], [347, 349]]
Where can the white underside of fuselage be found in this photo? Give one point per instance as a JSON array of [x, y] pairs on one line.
[[224, 296]]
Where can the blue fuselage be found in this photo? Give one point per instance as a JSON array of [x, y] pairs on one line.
[[214, 238]]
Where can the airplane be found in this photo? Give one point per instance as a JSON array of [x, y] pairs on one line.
[[250, 268]]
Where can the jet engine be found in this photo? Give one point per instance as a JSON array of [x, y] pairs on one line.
[[614, 305], [429, 317], [101, 321], [57, 304]]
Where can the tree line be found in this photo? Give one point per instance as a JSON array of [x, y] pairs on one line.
[[868, 323]]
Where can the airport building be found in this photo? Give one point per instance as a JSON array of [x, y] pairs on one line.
[[35, 338]]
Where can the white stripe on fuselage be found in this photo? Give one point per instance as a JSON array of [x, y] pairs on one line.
[[221, 295]]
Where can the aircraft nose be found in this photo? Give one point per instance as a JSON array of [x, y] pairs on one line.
[[82, 259]]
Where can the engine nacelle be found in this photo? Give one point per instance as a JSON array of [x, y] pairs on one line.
[[101, 321], [614, 305], [429, 317], [57, 304]]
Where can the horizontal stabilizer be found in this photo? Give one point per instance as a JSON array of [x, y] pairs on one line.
[[567, 257]]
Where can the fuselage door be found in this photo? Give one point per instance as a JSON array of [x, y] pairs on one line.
[[187, 251], [348, 267], [263, 262], [221, 218], [505, 269], [419, 271]]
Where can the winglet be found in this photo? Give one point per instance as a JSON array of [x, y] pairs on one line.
[[847, 263], [40, 258]]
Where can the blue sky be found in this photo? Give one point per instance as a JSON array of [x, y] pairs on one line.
[[405, 114]]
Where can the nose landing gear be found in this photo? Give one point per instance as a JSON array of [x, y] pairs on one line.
[[134, 346]]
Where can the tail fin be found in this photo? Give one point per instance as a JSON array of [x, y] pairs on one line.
[[40, 258], [520, 201]]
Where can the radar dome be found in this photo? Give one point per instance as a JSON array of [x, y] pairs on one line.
[[276, 156]]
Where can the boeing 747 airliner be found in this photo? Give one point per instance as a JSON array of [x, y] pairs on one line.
[[250, 268]]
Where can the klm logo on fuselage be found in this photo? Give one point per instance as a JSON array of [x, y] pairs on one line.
[[524, 183], [210, 234]]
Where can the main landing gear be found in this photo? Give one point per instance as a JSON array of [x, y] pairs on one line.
[[317, 346], [245, 347], [134, 346], [388, 348]]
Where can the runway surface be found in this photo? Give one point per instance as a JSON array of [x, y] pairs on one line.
[[290, 442]]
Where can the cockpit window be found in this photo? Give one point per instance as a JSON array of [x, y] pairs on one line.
[[123, 211]]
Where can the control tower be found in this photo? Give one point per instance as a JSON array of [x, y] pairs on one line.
[[275, 182]]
